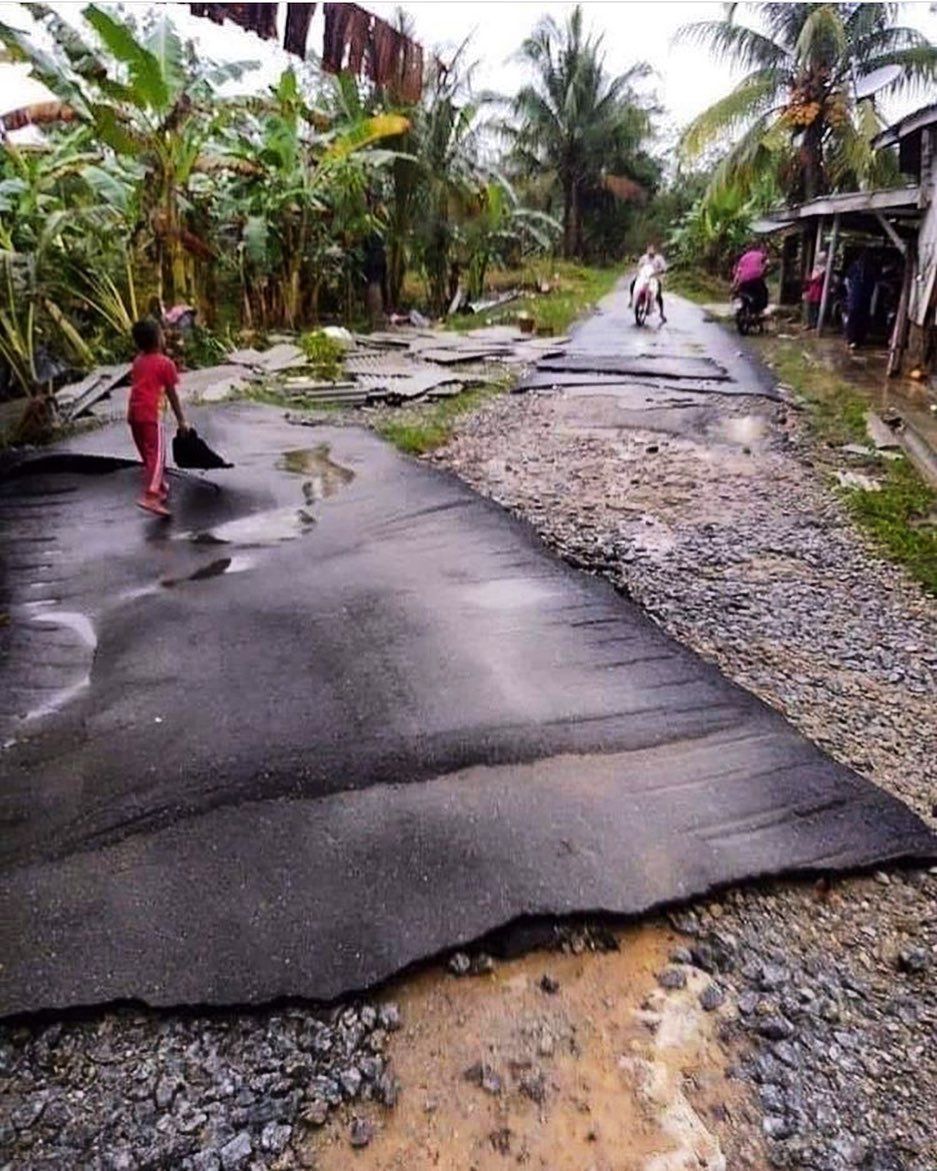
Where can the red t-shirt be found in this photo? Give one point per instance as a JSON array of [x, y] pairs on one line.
[[813, 289], [150, 375]]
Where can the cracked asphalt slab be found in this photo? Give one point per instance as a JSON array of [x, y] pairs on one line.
[[344, 714]]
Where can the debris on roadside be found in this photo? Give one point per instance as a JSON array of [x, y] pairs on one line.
[[334, 366], [79, 398], [485, 1077], [360, 1132], [856, 480], [459, 964]]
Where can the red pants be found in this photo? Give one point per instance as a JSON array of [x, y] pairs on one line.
[[148, 436]]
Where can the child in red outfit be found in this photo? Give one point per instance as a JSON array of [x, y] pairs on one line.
[[153, 376]]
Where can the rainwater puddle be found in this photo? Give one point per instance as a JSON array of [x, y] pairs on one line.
[[258, 529], [81, 625], [71, 620], [745, 430], [508, 594], [325, 476], [213, 569]]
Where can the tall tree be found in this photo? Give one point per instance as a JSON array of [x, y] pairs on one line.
[[796, 110], [573, 117]]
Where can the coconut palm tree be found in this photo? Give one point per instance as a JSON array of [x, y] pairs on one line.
[[796, 110], [571, 114]]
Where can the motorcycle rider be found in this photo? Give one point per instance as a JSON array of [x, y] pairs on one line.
[[654, 260], [748, 276]]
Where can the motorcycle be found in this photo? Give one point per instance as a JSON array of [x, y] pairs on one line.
[[749, 316], [646, 290]]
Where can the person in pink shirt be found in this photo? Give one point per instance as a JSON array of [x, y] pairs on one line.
[[749, 276]]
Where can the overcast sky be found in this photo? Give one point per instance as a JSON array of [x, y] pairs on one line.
[[687, 79]]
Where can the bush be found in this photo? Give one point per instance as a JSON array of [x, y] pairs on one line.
[[325, 354]]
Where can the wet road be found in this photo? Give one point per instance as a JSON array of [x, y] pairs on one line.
[[344, 713]]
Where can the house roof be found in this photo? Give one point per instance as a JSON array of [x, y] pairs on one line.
[[900, 202], [910, 124]]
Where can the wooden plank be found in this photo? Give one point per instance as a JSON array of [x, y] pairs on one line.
[[896, 344], [830, 261]]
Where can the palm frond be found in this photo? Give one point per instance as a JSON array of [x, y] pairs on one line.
[[822, 37], [751, 98], [734, 42]]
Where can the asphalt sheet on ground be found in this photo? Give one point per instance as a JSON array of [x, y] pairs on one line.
[[343, 714]]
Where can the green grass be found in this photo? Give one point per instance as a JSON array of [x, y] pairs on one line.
[[424, 427], [837, 411], [701, 287], [900, 518], [575, 290]]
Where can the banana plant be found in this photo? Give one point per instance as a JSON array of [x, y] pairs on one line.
[[302, 199], [145, 101], [500, 229]]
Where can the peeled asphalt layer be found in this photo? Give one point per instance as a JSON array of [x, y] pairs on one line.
[[339, 714]]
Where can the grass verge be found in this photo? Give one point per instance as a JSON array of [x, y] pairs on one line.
[[701, 287], [901, 517], [574, 290], [426, 426]]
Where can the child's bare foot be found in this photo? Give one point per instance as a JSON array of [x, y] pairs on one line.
[[153, 504]]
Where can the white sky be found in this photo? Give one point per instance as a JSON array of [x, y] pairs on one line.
[[687, 80]]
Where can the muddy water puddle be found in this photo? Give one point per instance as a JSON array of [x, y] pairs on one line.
[[272, 526], [326, 477], [864, 370], [602, 1071]]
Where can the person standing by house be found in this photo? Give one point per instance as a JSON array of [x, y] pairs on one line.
[[153, 382], [860, 284], [813, 290]]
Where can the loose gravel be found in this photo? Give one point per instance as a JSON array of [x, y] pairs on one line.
[[138, 1091], [732, 538]]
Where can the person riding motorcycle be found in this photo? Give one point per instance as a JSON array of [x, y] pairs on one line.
[[655, 262], [748, 277]]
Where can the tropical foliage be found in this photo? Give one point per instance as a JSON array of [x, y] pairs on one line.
[[150, 187], [714, 231], [584, 130], [796, 113]]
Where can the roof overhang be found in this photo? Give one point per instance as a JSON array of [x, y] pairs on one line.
[[915, 121], [899, 202]]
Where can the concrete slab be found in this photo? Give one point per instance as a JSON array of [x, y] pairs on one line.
[[344, 713]]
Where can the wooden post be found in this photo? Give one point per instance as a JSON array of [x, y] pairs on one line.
[[830, 259], [896, 346], [810, 256]]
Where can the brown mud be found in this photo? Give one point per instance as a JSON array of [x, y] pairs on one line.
[[606, 1072]]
